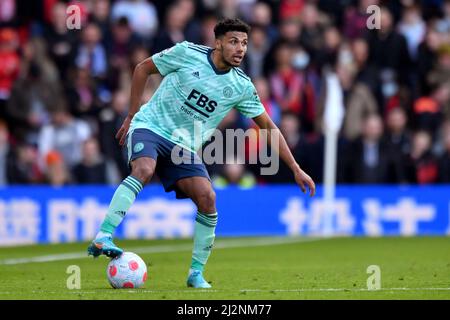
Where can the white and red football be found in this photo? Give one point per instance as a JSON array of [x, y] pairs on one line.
[[127, 271]]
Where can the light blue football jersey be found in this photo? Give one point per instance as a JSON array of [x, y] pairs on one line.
[[194, 96]]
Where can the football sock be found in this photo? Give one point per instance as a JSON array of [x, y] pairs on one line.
[[102, 234], [205, 226], [120, 203]]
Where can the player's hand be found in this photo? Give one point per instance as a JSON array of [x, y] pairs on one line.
[[122, 133], [303, 179]]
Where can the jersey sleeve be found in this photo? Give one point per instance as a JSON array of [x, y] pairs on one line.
[[250, 105], [170, 59]]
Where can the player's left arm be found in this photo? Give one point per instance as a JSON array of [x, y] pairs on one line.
[[265, 122], [163, 62], [141, 72]]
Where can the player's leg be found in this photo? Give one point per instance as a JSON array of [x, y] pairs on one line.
[[123, 198], [200, 190], [142, 152]]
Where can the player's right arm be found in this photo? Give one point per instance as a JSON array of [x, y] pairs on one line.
[[140, 75], [251, 107]]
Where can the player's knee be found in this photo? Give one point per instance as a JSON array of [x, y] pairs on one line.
[[206, 201], [143, 172]]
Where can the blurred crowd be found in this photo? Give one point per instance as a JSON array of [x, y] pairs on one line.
[[65, 92]]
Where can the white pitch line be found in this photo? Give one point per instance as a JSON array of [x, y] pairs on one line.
[[138, 291], [221, 244], [344, 289]]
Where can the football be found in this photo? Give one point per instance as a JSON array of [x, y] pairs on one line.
[[127, 271]]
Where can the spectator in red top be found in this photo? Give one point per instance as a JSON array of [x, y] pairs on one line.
[[421, 166], [272, 108], [355, 19], [9, 66], [290, 84], [291, 9], [428, 110], [285, 83]]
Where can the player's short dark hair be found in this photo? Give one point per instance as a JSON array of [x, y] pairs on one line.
[[227, 25]]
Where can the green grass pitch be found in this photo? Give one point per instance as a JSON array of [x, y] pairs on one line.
[[241, 268]]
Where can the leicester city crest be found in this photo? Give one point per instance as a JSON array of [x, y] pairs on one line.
[[227, 92], [138, 147]]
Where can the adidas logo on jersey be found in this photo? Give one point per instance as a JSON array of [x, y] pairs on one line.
[[196, 74]]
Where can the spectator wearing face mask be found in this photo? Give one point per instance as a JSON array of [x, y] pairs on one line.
[[290, 85]]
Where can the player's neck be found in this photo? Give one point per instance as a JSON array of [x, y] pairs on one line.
[[219, 63]]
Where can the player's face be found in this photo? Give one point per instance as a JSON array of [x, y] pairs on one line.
[[233, 47]]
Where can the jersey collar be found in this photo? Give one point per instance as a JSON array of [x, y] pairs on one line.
[[217, 71]]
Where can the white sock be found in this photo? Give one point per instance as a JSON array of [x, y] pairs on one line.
[[102, 234]]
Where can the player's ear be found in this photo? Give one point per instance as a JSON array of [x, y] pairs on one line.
[[218, 43]]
